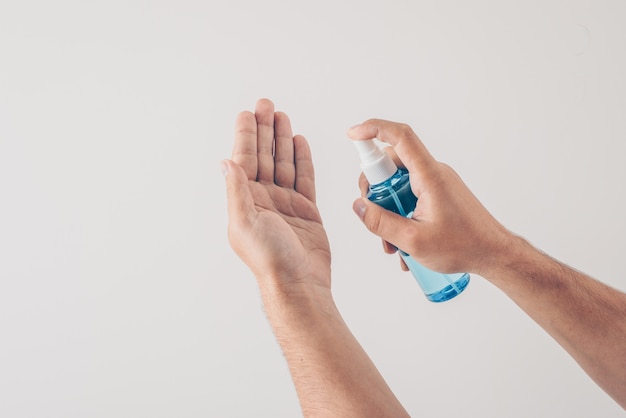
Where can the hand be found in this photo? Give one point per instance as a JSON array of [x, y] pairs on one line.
[[274, 225], [450, 230]]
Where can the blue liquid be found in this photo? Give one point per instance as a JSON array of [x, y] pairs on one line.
[[395, 195]]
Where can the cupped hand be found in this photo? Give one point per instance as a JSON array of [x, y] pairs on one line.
[[274, 225]]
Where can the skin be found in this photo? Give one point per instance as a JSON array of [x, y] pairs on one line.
[[585, 316], [276, 229]]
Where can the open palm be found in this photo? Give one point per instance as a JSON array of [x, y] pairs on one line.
[[274, 225]]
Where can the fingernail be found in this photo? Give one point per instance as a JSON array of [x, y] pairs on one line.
[[359, 208], [354, 127], [224, 168]]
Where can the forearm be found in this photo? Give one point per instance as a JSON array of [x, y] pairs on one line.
[[585, 316], [332, 373]]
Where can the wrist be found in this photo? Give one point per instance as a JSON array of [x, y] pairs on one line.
[[512, 254], [506, 253], [296, 300]]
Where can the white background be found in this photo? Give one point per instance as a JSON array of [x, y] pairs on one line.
[[119, 294]]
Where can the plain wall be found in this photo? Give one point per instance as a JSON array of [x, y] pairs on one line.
[[119, 294]]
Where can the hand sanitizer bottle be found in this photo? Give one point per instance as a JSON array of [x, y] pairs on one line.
[[390, 188]]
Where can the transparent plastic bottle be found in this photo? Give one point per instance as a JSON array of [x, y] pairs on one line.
[[390, 189]]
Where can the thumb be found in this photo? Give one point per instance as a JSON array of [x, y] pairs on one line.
[[240, 202], [388, 225]]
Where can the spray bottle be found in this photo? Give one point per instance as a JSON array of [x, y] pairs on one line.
[[390, 189]]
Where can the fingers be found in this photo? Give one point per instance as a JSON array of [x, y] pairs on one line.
[[389, 248], [241, 210], [363, 185], [284, 167], [305, 174], [244, 149], [406, 144], [267, 151], [397, 230], [403, 265], [264, 112]]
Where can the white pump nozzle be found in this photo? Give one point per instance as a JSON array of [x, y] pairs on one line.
[[375, 163]]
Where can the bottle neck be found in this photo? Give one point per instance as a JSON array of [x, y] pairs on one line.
[[390, 181]]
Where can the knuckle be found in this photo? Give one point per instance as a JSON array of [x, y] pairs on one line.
[[373, 221], [371, 121], [405, 130]]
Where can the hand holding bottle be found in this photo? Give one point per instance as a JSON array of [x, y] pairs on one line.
[[450, 231]]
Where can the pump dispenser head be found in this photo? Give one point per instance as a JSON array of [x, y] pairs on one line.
[[376, 164]]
